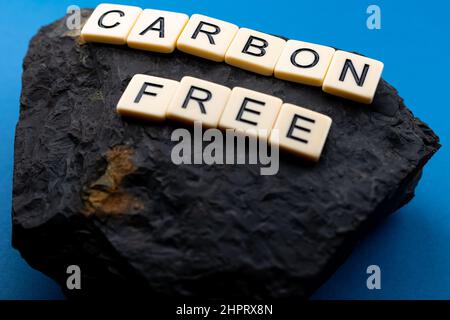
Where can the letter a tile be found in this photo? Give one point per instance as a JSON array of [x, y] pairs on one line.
[[157, 30]]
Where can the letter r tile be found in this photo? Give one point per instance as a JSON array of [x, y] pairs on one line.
[[198, 100], [206, 37]]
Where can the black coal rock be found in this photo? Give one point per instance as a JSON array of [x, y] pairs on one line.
[[100, 191]]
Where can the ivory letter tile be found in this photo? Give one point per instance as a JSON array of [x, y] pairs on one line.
[[249, 110], [198, 100], [255, 51], [304, 62], [157, 30], [110, 23], [353, 77], [206, 37], [301, 131], [147, 97]]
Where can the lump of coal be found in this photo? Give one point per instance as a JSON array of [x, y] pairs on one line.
[[100, 191]]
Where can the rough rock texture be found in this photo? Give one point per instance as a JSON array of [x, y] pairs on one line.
[[100, 191]]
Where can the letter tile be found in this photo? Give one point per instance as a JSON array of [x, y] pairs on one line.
[[206, 37], [255, 51], [198, 100], [301, 131], [249, 110], [304, 62], [157, 30], [147, 97], [110, 23], [353, 77]]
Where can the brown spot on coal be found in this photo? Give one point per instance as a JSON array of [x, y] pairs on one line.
[[104, 196]]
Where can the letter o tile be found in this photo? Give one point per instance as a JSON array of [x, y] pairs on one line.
[[304, 62]]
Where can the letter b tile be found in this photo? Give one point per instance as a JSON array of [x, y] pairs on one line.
[[255, 51]]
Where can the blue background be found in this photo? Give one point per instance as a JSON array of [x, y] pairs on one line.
[[412, 246]]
